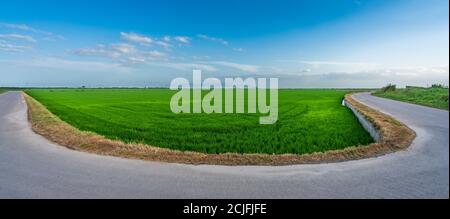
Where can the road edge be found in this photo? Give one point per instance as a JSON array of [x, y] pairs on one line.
[[393, 133], [48, 125]]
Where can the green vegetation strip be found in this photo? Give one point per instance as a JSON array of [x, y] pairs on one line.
[[309, 121], [436, 97]]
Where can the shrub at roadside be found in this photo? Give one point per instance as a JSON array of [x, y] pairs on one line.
[[389, 88]]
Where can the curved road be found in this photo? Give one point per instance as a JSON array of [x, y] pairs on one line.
[[32, 167]]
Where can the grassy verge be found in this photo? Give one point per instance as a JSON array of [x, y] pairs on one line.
[[2, 90], [395, 136], [432, 97]]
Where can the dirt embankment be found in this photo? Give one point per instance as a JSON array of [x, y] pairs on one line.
[[394, 136]]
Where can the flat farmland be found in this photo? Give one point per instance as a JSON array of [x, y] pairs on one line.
[[308, 121]]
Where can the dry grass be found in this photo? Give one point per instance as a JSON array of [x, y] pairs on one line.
[[395, 136]]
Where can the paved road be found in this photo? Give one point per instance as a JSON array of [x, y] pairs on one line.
[[32, 167]]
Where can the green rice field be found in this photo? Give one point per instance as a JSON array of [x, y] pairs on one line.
[[308, 121]]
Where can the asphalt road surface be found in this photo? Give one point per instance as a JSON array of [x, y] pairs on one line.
[[32, 167]]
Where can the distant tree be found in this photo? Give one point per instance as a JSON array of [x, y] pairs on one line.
[[414, 87], [438, 86], [389, 88]]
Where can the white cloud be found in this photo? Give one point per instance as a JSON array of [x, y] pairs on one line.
[[212, 39], [154, 54], [239, 49], [18, 37], [240, 67], [185, 66], [20, 27], [136, 38], [305, 70], [145, 57], [7, 47], [182, 39], [414, 71], [129, 54], [146, 40], [401, 76], [319, 67], [122, 52], [53, 37], [319, 63], [23, 27], [163, 44], [203, 57], [99, 51], [71, 65], [124, 48], [136, 60]]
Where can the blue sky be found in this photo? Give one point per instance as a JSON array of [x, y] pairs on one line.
[[335, 43]]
